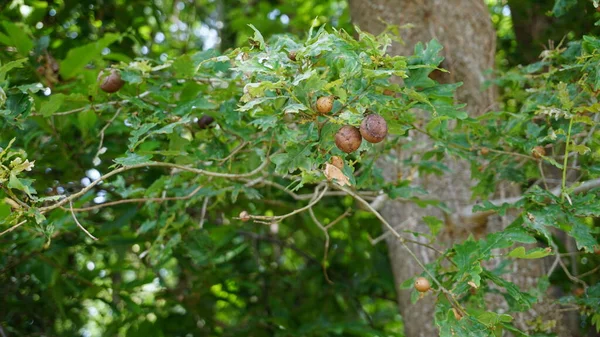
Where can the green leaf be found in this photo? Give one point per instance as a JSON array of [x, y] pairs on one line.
[[535, 253], [492, 319], [9, 66], [258, 37], [86, 121], [518, 300], [294, 108], [583, 237], [52, 105], [434, 224], [561, 7], [506, 238], [16, 37], [199, 103], [538, 220], [22, 184], [79, 57], [133, 159], [295, 158], [136, 134], [467, 261]]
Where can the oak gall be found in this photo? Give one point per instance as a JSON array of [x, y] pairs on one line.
[[325, 104], [111, 82], [348, 138], [205, 121], [292, 56], [244, 216], [422, 284], [538, 152], [373, 128]]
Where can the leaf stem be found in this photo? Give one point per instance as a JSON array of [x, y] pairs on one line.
[[565, 162]]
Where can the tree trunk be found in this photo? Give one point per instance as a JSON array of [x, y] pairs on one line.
[[463, 27]]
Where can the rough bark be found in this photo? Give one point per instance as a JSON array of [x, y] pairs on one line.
[[464, 29]]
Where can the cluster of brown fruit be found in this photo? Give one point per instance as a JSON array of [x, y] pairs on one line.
[[348, 139]]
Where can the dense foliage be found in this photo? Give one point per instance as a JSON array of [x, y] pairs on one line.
[[201, 198]]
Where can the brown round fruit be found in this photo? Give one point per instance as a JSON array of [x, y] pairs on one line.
[[205, 121], [388, 92], [112, 82], [484, 151], [374, 128], [292, 56], [324, 104], [348, 138], [422, 284], [244, 216], [538, 152], [337, 162]]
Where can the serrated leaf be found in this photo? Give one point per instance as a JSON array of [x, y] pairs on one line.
[[434, 224], [579, 148], [294, 108], [535, 253], [133, 159], [258, 37], [295, 158], [583, 236], [22, 184]]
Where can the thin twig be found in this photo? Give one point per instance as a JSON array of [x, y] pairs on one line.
[[203, 212], [136, 200], [326, 248], [233, 152], [79, 225], [591, 272], [93, 107], [316, 198], [13, 227], [102, 133]]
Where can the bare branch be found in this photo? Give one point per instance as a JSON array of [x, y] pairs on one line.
[[316, 198]]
